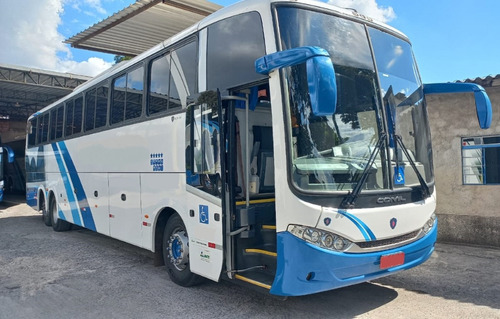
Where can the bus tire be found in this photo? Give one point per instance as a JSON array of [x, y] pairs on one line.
[[176, 253], [57, 223], [47, 220]]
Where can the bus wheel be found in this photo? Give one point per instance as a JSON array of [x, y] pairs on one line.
[[45, 214], [57, 223], [176, 253]]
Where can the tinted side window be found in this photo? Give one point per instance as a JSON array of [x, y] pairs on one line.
[[69, 119], [158, 85], [135, 88], [118, 103], [89, 109], [127, 96], [45, 128], [77, 115], [39, 128], [183, 72], [59, 121], [101, 110], [96, 107], [53, 117], [32, 132], [56, 121], [229, 68]]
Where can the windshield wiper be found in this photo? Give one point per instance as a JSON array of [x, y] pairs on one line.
[[424, 188], [396, 139], [350, 199]]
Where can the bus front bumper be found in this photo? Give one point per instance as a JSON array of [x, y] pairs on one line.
[[303, 268]]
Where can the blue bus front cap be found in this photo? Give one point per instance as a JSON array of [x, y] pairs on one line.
[[305, 269]]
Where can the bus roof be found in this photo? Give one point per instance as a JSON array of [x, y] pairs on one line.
[[232, 10]]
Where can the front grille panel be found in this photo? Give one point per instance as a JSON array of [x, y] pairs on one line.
[[389, 241]]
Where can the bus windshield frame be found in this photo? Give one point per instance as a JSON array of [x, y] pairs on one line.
[[379, 94]]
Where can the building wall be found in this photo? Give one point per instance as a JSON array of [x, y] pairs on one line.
[[467, 213]]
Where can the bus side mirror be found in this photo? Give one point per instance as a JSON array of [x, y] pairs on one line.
[[320, 74], [10, 153], [483, 104]]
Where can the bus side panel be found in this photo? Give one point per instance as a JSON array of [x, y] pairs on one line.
[[159, 191], [96, 189], [205, 236], [66, 210], [125, 208]]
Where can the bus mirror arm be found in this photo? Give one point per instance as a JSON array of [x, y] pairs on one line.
[[321, 79], [483, 103]]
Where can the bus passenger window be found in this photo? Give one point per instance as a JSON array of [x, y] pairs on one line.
[[133, 99], [77, 115], [101, 106], [56, 119], [69, 118], [159, 82], [118, 100], [173, 79], [183, 74], [89, 110], [45, 128], [31, 132], [53, 116], [59, 121], [126, 101]]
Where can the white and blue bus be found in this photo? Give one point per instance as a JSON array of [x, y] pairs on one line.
[[278, 144]]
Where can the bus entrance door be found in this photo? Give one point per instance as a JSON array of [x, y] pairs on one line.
[[204, 186]]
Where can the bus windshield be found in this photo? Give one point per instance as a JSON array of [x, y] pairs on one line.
[[330, 153]]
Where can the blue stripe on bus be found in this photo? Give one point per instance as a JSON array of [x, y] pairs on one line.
[[67, 186], [363, 228], [85, 210], [61, 215]]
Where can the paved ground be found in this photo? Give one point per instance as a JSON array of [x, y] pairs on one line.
[[81, 274]]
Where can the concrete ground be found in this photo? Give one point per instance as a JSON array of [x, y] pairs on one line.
[[81, 274]]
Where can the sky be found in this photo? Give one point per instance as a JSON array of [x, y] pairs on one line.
[[452, 39]]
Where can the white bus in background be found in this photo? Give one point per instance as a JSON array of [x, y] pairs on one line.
[[278, 144]]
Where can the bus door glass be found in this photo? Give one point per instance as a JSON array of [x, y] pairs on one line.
[[203, 183]]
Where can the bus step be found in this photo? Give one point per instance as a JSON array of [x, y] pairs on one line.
[[269, 227], [260, 251], [267, 234], [262, 256], [256, 278]]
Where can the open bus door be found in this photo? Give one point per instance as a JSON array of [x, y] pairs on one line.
[[249, 206], [204, 185]]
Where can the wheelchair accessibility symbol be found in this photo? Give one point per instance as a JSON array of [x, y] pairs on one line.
[[204, 218], [399, 175]]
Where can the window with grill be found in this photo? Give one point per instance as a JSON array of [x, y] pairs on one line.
[[481, 160]]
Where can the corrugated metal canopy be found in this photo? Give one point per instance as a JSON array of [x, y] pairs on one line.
[[23, 91], [142, 25]]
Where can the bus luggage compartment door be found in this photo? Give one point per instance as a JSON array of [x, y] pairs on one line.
[[125, 207]]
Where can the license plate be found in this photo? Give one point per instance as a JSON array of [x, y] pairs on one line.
[[392, 260]]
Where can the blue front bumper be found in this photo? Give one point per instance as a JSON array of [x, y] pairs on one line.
[[305, 269]]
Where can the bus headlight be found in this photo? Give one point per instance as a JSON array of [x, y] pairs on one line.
[[320, 237], [429, 224]]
